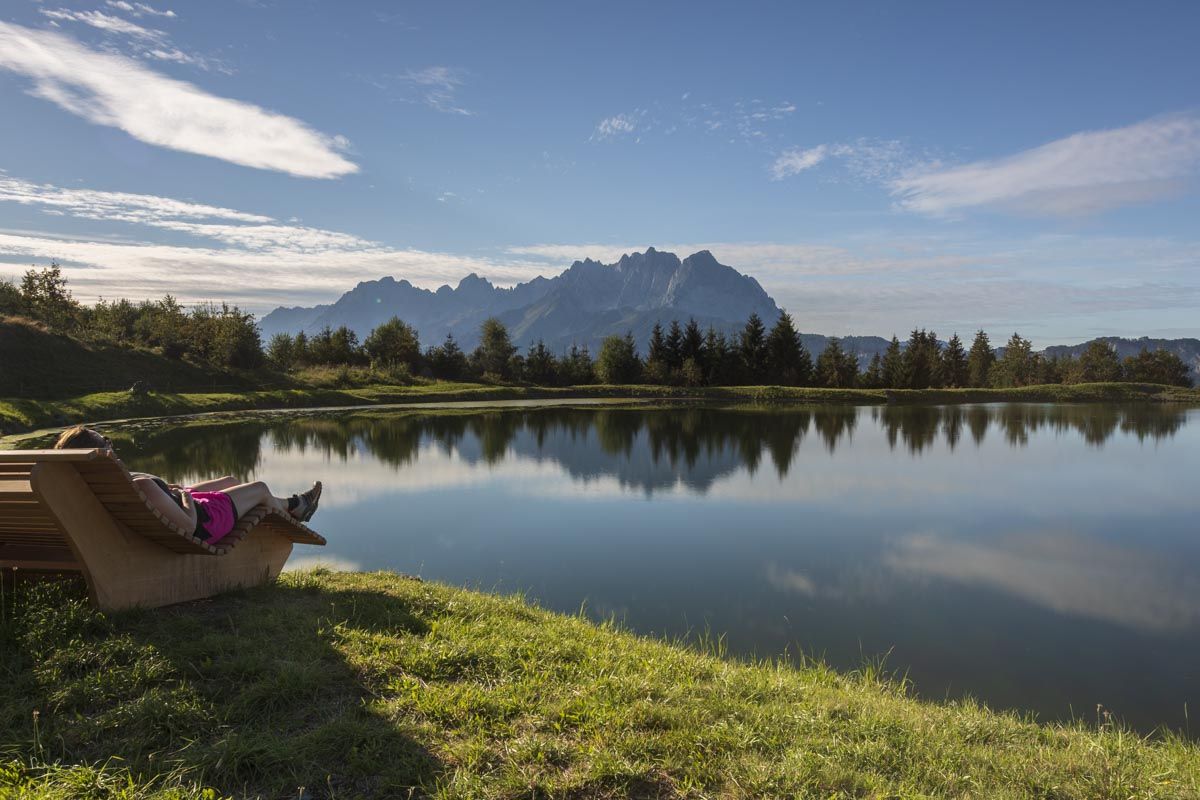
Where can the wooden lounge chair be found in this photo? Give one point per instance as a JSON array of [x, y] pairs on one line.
[[79, 511]]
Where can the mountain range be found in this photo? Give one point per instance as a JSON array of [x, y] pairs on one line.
[[590, 300], [585, 303]]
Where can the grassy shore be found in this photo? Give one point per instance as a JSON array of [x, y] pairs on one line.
[[375, 685], [18, 414]]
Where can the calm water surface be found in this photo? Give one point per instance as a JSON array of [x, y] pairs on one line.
[[1037, 557]]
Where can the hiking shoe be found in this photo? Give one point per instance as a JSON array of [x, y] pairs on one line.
[[301, 506], [306, 503]]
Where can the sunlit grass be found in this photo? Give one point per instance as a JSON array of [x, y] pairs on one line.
[[352, 684]]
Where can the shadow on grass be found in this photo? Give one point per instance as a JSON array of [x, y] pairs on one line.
[[247, 693]]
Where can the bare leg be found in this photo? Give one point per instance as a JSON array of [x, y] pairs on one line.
[[248, 495], [215, 485]]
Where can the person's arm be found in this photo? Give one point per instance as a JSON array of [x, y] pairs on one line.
[[162, 502]]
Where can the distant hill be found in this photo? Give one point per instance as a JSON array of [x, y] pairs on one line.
[[36, 363], [582, 305], [1186, 349]]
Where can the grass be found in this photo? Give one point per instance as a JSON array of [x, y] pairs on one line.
[[23, 414], [374, 685]]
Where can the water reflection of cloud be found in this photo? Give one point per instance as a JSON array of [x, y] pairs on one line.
[[325, 562], [789, 580], [1066, 573]]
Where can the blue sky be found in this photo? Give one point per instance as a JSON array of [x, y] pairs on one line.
[[877, 166]]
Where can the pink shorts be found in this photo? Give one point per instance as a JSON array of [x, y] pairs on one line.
[[221, 515]]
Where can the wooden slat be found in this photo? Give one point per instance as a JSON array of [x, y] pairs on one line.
[[43, 456], [25, 515], [15, 490], [291, 528], [12, 537]]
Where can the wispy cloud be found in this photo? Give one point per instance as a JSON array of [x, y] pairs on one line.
[[1063, 572], [795, 161], [615, 126], [749, 121], [1080, 174], [139, 9], [115, 206], [438, 87], [105, 22], [118, 92], [290, 262], [868, 160], [144, 42]]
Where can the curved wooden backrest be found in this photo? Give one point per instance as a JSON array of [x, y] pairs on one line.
[[29, 535], [26, 522]]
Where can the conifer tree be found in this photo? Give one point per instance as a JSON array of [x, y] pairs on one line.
[[786, 356], [836, 368], [980, 360], [922, 367], [448, 361], [954, 363], [893, 365], [541, 367], [1018, 365], [656, 368], [752, 350], [692, 345], [657, 350], [873, 377], [716, 349], [674, 346], [1099, 363]]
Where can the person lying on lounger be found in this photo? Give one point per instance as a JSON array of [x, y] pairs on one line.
[[210, 508]]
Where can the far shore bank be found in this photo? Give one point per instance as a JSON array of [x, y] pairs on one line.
[[19, 415]]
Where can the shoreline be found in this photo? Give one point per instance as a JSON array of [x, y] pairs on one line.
[[20, 415]]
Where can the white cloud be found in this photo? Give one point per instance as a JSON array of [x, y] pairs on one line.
[[1063, 572], [287, 265], [118, 206], [118, 92], [439, 86], [105, 22], [146, 42], [868, 160], [290, 262], [796, 160], [614, 126], [138, 9], [1080, 174]]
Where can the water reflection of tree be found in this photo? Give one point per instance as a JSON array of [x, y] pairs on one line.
[[920, 427], [183, 453], [647, 448]]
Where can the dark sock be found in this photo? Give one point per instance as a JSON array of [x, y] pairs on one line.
[[293, 501]]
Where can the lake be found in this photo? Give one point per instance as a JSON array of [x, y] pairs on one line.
[[1036, 557]]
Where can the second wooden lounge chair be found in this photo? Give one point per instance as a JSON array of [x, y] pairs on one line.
[[79, 511]]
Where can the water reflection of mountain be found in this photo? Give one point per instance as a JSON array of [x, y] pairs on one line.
[[648, 450]]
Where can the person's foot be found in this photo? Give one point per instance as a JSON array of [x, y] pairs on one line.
[[304, 505]]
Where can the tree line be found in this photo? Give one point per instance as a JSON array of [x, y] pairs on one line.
[[678, 354]]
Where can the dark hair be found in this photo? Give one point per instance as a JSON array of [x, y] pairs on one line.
[[81, 438]]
